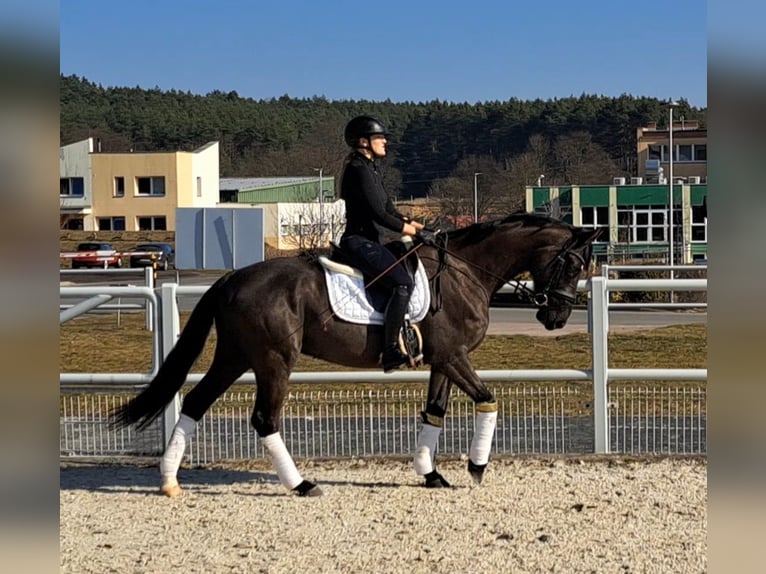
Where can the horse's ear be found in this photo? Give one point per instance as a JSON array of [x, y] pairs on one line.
[[585, 236]]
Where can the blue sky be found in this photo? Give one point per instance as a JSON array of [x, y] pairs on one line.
[[458, 51]]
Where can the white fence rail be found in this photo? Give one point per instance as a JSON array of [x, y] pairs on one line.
[[167, 329]]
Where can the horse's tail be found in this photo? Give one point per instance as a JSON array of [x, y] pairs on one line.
[[150, 403]]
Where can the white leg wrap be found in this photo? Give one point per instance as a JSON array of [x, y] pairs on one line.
[[481, 445], [427, 441], [283, 463], [174, 452]]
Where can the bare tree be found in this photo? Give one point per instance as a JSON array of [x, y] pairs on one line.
[[307, 227], [475, 184], [580, 161]]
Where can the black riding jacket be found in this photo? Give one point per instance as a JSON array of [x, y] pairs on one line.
[[368, 207]]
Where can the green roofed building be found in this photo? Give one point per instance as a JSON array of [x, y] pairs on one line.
[[294, 216], [275, 189], [635, 218]]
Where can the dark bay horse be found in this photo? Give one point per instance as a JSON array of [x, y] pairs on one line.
[[269, 313]]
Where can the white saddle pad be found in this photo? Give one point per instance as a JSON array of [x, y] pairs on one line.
[[349, 301]]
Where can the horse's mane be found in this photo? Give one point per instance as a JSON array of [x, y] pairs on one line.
[[479, 231]]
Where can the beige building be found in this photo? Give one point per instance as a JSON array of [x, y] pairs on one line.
[[133, 191], [689, 159]]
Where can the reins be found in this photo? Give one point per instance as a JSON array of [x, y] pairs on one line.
[[538, 298]]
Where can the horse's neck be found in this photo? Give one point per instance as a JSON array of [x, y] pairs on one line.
[[500, 257]]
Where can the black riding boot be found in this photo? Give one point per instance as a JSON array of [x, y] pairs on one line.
[[393, 358]]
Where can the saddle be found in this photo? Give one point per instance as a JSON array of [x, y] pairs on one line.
[[351, 301]]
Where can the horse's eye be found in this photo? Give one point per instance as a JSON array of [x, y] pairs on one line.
[[575, 270]]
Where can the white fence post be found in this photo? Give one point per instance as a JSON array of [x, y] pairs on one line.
[[170, 325], [599, 302], [149, 282]]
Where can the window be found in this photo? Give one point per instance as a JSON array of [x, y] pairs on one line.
[[646, 224], [228, 196], [657, 151], [119, 186], [152, 223], [199, 187], [683, 153], [596, 217], [150, 185], [74, 223], [111, 223], [649, 225], [699, 223], [72, 186]]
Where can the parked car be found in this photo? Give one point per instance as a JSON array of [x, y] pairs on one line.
[[96, 254], [146, 254]]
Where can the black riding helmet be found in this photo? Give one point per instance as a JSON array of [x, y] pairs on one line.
[[362, 127]]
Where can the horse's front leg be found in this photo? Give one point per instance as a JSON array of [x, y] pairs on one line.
[[460, 370], [432, 423]]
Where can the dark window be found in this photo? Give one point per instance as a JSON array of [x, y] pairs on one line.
[[154, 223], [150, 185], [72, 186], [75, 224], [111, 223], [684, 153]]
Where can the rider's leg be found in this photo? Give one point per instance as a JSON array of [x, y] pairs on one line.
[[393, 358]]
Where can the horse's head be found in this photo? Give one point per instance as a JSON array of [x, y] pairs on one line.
[[556, 273]]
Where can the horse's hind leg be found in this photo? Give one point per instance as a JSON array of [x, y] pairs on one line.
[[272, 388], [227, 366], [432, 423]]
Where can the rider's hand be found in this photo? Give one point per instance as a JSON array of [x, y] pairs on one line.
[[427, 237], [409, 229]]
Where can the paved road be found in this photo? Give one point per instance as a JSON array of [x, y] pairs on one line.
[[503, 320]]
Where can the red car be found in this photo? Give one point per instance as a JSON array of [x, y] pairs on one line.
[[96, 254]]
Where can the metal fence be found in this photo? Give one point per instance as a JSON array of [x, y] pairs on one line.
[[541, 412], [551, 418], [532, 418]]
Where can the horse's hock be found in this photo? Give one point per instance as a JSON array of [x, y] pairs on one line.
[[529, 515]]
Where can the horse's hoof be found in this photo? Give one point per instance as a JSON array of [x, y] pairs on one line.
[[171, 489], [436, 480], [476, 471], [307, 488]]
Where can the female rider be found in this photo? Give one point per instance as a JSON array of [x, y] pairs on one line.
[[369, 210]]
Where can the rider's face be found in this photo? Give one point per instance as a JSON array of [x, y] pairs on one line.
[[378, 145]]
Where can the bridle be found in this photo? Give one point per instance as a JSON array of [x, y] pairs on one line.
[[540, 298]]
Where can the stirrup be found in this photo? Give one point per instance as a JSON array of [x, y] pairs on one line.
[[392, 362], [411, 343]]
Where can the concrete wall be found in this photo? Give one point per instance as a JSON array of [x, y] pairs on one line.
[[205, 169], [74, 161], [107, 166]]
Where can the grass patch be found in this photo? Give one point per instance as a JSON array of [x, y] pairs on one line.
[[97, 344]]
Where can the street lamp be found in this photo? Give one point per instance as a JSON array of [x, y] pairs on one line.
[[671, 104], [476, 196], [321, 207]]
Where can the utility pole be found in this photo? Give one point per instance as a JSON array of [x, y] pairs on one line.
[[671, 240], [321, 208], [476, 196]]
